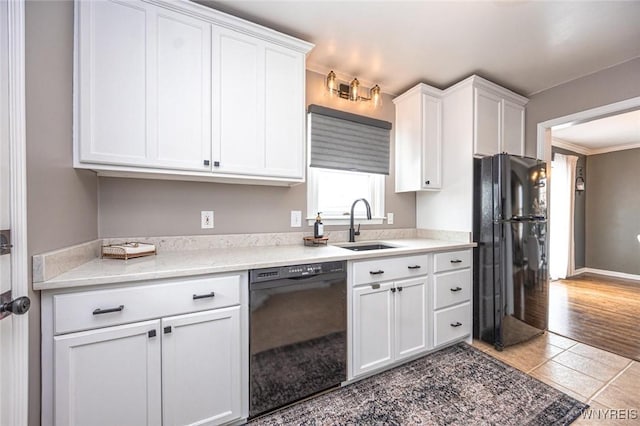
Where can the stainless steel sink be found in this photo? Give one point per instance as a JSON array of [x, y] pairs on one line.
[[366, 247]]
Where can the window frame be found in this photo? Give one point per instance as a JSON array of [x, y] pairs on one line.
[[376, 199]]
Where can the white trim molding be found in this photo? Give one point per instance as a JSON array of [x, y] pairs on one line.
[[19, 381], [544, 142], [612, 274], [591, 151]]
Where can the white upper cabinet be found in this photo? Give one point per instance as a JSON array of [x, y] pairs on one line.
[[111, 79], [258, 107], [419, 139], [486, 122], [498, 120], [180, 129], [178, 90], [512, 127]]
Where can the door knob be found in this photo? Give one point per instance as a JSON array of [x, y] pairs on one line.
[[17, 306]]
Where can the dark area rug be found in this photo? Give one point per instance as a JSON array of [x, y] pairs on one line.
[[458, 385]]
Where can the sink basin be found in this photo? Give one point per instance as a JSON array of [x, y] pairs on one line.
[[366, 247]]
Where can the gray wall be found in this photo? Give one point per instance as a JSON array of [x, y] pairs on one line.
[[61, 202], [579, 214], [142, 207], [602, 88], [613, 206]]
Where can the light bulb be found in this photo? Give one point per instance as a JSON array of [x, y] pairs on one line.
[[331, 82], [376, 96], [353, 90]]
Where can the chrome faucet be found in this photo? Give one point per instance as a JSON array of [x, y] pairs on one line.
[[352, 230]]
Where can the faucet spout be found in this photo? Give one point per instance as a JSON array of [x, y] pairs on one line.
[[352, 231]]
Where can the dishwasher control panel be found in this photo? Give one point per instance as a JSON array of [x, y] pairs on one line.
[[294, 271]]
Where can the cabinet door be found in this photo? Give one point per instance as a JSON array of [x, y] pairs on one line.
[[373, 327], [238, 103], [112, 100], [410, 302], [487, 125], [284, 112], [512, 128], [180, 130], [201, 367], [109, 376], [432, 142]]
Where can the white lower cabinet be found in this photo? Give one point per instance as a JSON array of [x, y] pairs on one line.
[[390, 323], [452, 287], [183, 369], [201, 367], [407, 316], [109, 376]]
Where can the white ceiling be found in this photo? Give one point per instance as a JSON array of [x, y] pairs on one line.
[[527, 46], [605, 134]]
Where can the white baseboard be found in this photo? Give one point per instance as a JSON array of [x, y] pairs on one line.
[[579, 271], [613, 274]]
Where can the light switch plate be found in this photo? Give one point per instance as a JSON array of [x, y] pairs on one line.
[[389, 218], [206, 219], [296, 218]]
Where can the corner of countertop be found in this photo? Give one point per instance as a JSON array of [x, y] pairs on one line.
[[49, 265]]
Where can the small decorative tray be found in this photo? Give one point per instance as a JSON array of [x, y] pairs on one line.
[[312, 241], [128, 250]]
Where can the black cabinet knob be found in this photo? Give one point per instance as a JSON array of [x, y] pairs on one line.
[[206, 162], [216, 164], [427, 182]]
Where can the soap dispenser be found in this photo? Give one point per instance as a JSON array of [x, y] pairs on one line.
[[318, 227]]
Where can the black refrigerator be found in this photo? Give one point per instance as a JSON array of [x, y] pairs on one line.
[[511, 286]]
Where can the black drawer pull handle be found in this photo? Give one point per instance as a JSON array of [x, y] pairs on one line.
[[457, 324], [399, 288], [203, 296], [107, 311], [414, 267], [378, 272], [393, 289], [456, 261], [456, 289]]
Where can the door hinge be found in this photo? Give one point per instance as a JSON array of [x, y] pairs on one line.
[[5, 241]]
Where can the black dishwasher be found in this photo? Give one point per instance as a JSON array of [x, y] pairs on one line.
[[298, 332]]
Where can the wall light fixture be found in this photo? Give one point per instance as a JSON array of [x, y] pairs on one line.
[[352, 91]]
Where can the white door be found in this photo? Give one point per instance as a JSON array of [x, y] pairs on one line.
[[432, 142], [182, 129], [486, 123], [13, 263], [284, 112], [113, 86], [201, 367], [410, 302], [372, 327], [512, 128], [238, 103], [109, 376]]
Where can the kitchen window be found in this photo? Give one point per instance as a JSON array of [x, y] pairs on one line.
[[332, 192]]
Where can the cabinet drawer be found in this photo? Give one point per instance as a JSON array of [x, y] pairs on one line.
[[101, 308], [389, 268], [452, 288], [451, 260], [452, 324]]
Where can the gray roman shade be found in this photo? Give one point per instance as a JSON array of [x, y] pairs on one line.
[[344, 141]]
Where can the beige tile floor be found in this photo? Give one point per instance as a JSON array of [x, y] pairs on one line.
[[609, 383]]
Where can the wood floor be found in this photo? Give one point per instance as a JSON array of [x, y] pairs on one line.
[[598, 311]]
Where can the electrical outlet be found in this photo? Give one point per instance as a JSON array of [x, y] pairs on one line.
[[296, 219], [206, 219], [389, 218]]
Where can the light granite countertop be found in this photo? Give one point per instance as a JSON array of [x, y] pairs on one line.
[[175, 264]]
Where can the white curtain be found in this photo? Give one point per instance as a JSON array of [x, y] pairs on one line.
[[562, 249]]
